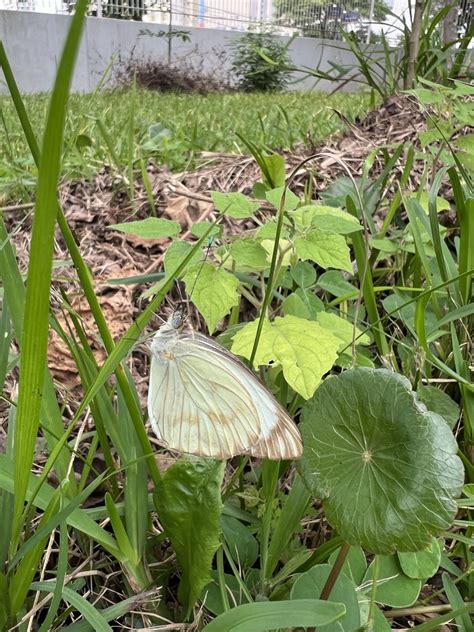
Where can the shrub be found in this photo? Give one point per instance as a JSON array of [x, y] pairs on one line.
[[261, 63]]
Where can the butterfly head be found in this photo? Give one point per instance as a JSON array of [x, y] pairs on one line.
[[177, 318]]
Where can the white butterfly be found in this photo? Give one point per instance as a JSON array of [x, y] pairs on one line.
[[203, 400]]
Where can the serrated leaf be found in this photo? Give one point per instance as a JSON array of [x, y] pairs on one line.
[[189, 506], [311, 583], [199, 229], [386, 469], [328, 250], [283, 248], [439, 402], [249, 254], [274, 198], [304, 350], [394, 588], [175, 253], [213, 291], [235, 205], [343, 329], [327, 218], [269, 231], [149, 228], [421, 564]]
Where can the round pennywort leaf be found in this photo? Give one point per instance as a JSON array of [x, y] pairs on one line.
[[385, 468]]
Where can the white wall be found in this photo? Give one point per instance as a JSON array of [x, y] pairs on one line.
[[33, 42]]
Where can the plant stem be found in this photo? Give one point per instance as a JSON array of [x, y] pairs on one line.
[[414, 45]]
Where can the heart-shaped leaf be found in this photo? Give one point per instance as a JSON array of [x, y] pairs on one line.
[[386, 468]]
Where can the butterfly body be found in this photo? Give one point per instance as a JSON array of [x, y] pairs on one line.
[[203, 400]]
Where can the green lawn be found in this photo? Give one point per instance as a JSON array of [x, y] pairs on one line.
[[114, 128]]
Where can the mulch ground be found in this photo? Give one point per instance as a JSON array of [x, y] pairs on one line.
[[92, 206]]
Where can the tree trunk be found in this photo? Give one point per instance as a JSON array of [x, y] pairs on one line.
[[414, 43]]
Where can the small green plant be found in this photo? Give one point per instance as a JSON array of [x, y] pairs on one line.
[[261, 63], [357, 310]]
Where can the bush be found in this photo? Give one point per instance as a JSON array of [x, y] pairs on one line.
[[178, 76], [261, 63]]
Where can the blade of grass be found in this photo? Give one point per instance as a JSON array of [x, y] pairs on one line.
[[79, 519], [60, 578], [35, 332], [91, 614]]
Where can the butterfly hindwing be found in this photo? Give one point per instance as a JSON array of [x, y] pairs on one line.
[[205, 401]]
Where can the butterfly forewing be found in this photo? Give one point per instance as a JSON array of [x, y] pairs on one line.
[[204, 401]]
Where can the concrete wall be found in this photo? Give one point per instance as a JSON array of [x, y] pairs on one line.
[[34, 42]]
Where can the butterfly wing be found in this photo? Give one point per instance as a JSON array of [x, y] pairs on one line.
[[204, 401]]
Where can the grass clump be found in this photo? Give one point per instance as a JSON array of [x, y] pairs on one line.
[[172, 129]]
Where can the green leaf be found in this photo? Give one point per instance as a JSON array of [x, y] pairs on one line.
[[293, 305], [423, 199], [310, 584], [302, 303], [213, 291], [271, 615], [91, 614], [188, 502], [439, 402], [386, 469], [275, 165], [343, 329], [379, 621], [394, 588], [235, 205], [328, 250], [34, 339], [466, 154], [327, 218], [355, 564], [333, 282], [211, 596], [303, 274], [421, 564], [303, 349], [149, 228], [175, 253], [200, 228], [242, 544], [269, 231], [463, 621], [311, 301], [274, 198], [249, 254]]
